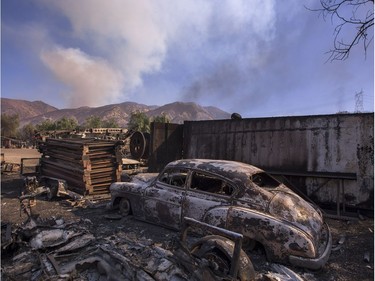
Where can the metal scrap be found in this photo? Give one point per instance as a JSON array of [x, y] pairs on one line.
[[340, 243], [75, 252], [342, 239], [52, 238], [52, 249], [366, 256], [282, 273], [10, 168]]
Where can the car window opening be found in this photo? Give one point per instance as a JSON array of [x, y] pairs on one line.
[[264, 180], [210, 184]]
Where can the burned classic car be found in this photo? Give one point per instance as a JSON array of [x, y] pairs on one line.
[[231, 195]]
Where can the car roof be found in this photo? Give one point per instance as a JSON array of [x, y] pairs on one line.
[[227, 168]]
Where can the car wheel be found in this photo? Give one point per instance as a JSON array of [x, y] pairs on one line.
[[124, 207]]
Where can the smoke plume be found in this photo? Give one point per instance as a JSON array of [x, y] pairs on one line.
[[90, 81], [120, 41]]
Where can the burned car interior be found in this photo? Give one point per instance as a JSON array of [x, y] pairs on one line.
[[210, 184], [199, 181]]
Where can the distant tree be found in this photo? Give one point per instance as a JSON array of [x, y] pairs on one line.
[[27, 132], [139, 122], [93, 122], [46, 125], [162, 119], [110, 123], [354, 24], [66, 123], [9, 125]]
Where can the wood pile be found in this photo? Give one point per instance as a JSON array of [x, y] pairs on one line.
[[88, 166]]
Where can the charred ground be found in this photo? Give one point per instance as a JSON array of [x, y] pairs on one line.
[[353, 240]]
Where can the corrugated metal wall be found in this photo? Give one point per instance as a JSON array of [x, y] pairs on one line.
[[331, 145], [165, 145]]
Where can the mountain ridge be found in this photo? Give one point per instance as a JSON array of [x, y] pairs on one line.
[[35, 112]]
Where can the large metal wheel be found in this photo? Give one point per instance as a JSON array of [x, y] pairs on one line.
[[137, 145], [124, 207]]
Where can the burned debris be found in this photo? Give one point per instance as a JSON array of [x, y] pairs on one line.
[[55, 249], [68, 251], [7, 167], [100, 245]]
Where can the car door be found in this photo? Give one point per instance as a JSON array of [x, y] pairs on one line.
[[207, 193], [162, 200]]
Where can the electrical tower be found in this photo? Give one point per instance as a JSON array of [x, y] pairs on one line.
[[359, 102]]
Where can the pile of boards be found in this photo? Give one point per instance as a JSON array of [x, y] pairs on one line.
[[88, 166]]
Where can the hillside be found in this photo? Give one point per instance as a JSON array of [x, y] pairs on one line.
[[25, 109], [177, 112], [120, 112]]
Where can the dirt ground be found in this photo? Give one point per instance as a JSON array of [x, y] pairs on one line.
[[14, 155], [353, 240]]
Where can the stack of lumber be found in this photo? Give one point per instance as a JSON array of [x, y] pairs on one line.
[[88, 166]]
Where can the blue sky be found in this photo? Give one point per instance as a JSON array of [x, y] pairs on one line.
[[259, 58]]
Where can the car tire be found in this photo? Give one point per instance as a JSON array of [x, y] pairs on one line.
[[124, 207]]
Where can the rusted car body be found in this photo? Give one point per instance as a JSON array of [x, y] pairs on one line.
[[231, 195]]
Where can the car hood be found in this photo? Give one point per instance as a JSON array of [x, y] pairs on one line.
[[293, 209], [137, 183], [144, 178]]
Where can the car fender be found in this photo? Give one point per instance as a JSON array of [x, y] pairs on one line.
[[131, 191], [217, 216], [279, 238], [121, 189]]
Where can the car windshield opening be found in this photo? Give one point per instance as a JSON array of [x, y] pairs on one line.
[[176, 177]]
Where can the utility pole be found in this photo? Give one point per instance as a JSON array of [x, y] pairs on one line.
[[359, 102]]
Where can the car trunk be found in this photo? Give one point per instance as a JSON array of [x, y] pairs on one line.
[[292, 208]]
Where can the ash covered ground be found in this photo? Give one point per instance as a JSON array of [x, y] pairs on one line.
[[111, 247]]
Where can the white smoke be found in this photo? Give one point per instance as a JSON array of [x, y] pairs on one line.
[[124, 40], [90, 80]]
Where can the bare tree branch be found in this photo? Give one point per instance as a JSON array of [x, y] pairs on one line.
[[354, 21]]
